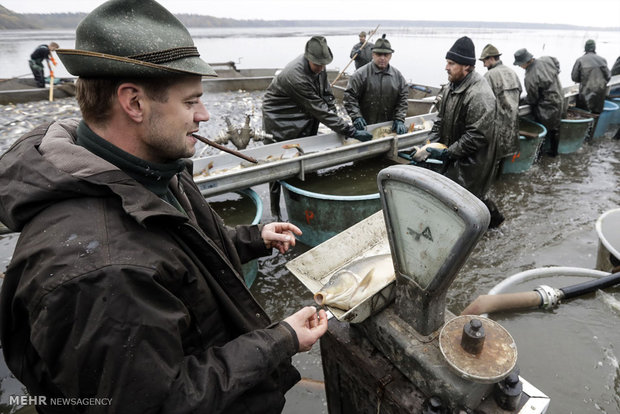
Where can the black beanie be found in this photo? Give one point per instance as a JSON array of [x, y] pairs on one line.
[[463, 52]]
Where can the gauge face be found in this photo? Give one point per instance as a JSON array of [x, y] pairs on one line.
[[424, 230]]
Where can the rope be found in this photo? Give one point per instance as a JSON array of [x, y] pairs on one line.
[[167, 55]]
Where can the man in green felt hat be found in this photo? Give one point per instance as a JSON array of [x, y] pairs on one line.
[[377, 92], [125, 288], [362, 51], [507, 89], [299, 99]]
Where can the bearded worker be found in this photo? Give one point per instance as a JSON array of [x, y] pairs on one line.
[[465, 124], [125, 286]]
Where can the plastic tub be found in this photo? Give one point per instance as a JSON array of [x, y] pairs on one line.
[[608, 230], [528, 148], [605, 119], [573, 131]]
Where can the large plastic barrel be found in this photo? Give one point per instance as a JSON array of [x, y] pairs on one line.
[[528, 147], [608, 230], [331, 201]]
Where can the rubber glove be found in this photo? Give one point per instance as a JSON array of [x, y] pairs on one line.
[[438, 154], [399, 127], [419, 156], [362, 135], [359, 123]]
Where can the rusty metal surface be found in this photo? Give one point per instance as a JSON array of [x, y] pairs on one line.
[[496, 360]]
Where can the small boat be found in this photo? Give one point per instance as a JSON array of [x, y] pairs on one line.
[[17, 90]]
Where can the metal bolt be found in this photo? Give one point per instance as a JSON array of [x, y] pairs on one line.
[[508, 392]]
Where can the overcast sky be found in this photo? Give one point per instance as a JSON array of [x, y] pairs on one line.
[[600, 13]]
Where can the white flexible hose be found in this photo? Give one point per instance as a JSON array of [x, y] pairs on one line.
[[545, 272]]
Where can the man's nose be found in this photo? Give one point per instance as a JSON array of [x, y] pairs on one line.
[[202, 115]]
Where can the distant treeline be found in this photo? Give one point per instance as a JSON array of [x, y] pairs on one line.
[[11, 21]]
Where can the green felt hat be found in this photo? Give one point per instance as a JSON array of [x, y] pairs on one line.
[[382, 46], [133, 38], [317, 51], [489, 51]]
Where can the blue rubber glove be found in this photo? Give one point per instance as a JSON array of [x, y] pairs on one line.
[[359, 123], [438, 154], [399, 127], [362, 135]]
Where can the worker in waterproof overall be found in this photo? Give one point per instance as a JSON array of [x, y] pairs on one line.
[[300, 98], [590, 71], [126, 289], [544, 93], [507, 89], [40, 54], [362, 52], [377, 92], [465, 124]]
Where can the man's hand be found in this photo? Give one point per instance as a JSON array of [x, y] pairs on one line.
[[438, 154], [308, 325], [359, 123], [399, 127], [362, 136], [280, 235]]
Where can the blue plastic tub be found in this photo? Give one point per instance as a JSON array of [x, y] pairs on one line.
[[605, 119]]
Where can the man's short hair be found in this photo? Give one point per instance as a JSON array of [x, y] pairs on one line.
[[95, 96]]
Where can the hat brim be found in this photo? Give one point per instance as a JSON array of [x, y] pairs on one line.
[[92, 64], [382, 50]]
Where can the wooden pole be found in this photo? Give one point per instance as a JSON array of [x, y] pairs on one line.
[[225, 149], [371, 34], [51, 86]]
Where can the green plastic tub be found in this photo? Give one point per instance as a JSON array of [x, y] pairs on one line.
[[528, 148], [573, 131], [332, 200]]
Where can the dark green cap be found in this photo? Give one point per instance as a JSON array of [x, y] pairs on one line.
[[590, 46], [317, 51], [522, 56], [133, 38]]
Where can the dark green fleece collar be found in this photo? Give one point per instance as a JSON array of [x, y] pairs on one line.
[[154, 176]]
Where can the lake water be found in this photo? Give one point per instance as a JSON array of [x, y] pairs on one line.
[[570, 353], [419, 52]]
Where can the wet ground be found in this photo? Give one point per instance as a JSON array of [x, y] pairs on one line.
[[570, 353]]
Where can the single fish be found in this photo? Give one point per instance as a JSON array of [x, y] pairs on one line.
[[382, 132], [356, 282], [421, 154]]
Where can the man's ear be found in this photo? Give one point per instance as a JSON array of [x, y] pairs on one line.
[[131, 100]]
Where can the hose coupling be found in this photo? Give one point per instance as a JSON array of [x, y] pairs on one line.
[[550, 296]]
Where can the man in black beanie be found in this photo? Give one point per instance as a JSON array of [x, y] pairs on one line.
[[465, 125]]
